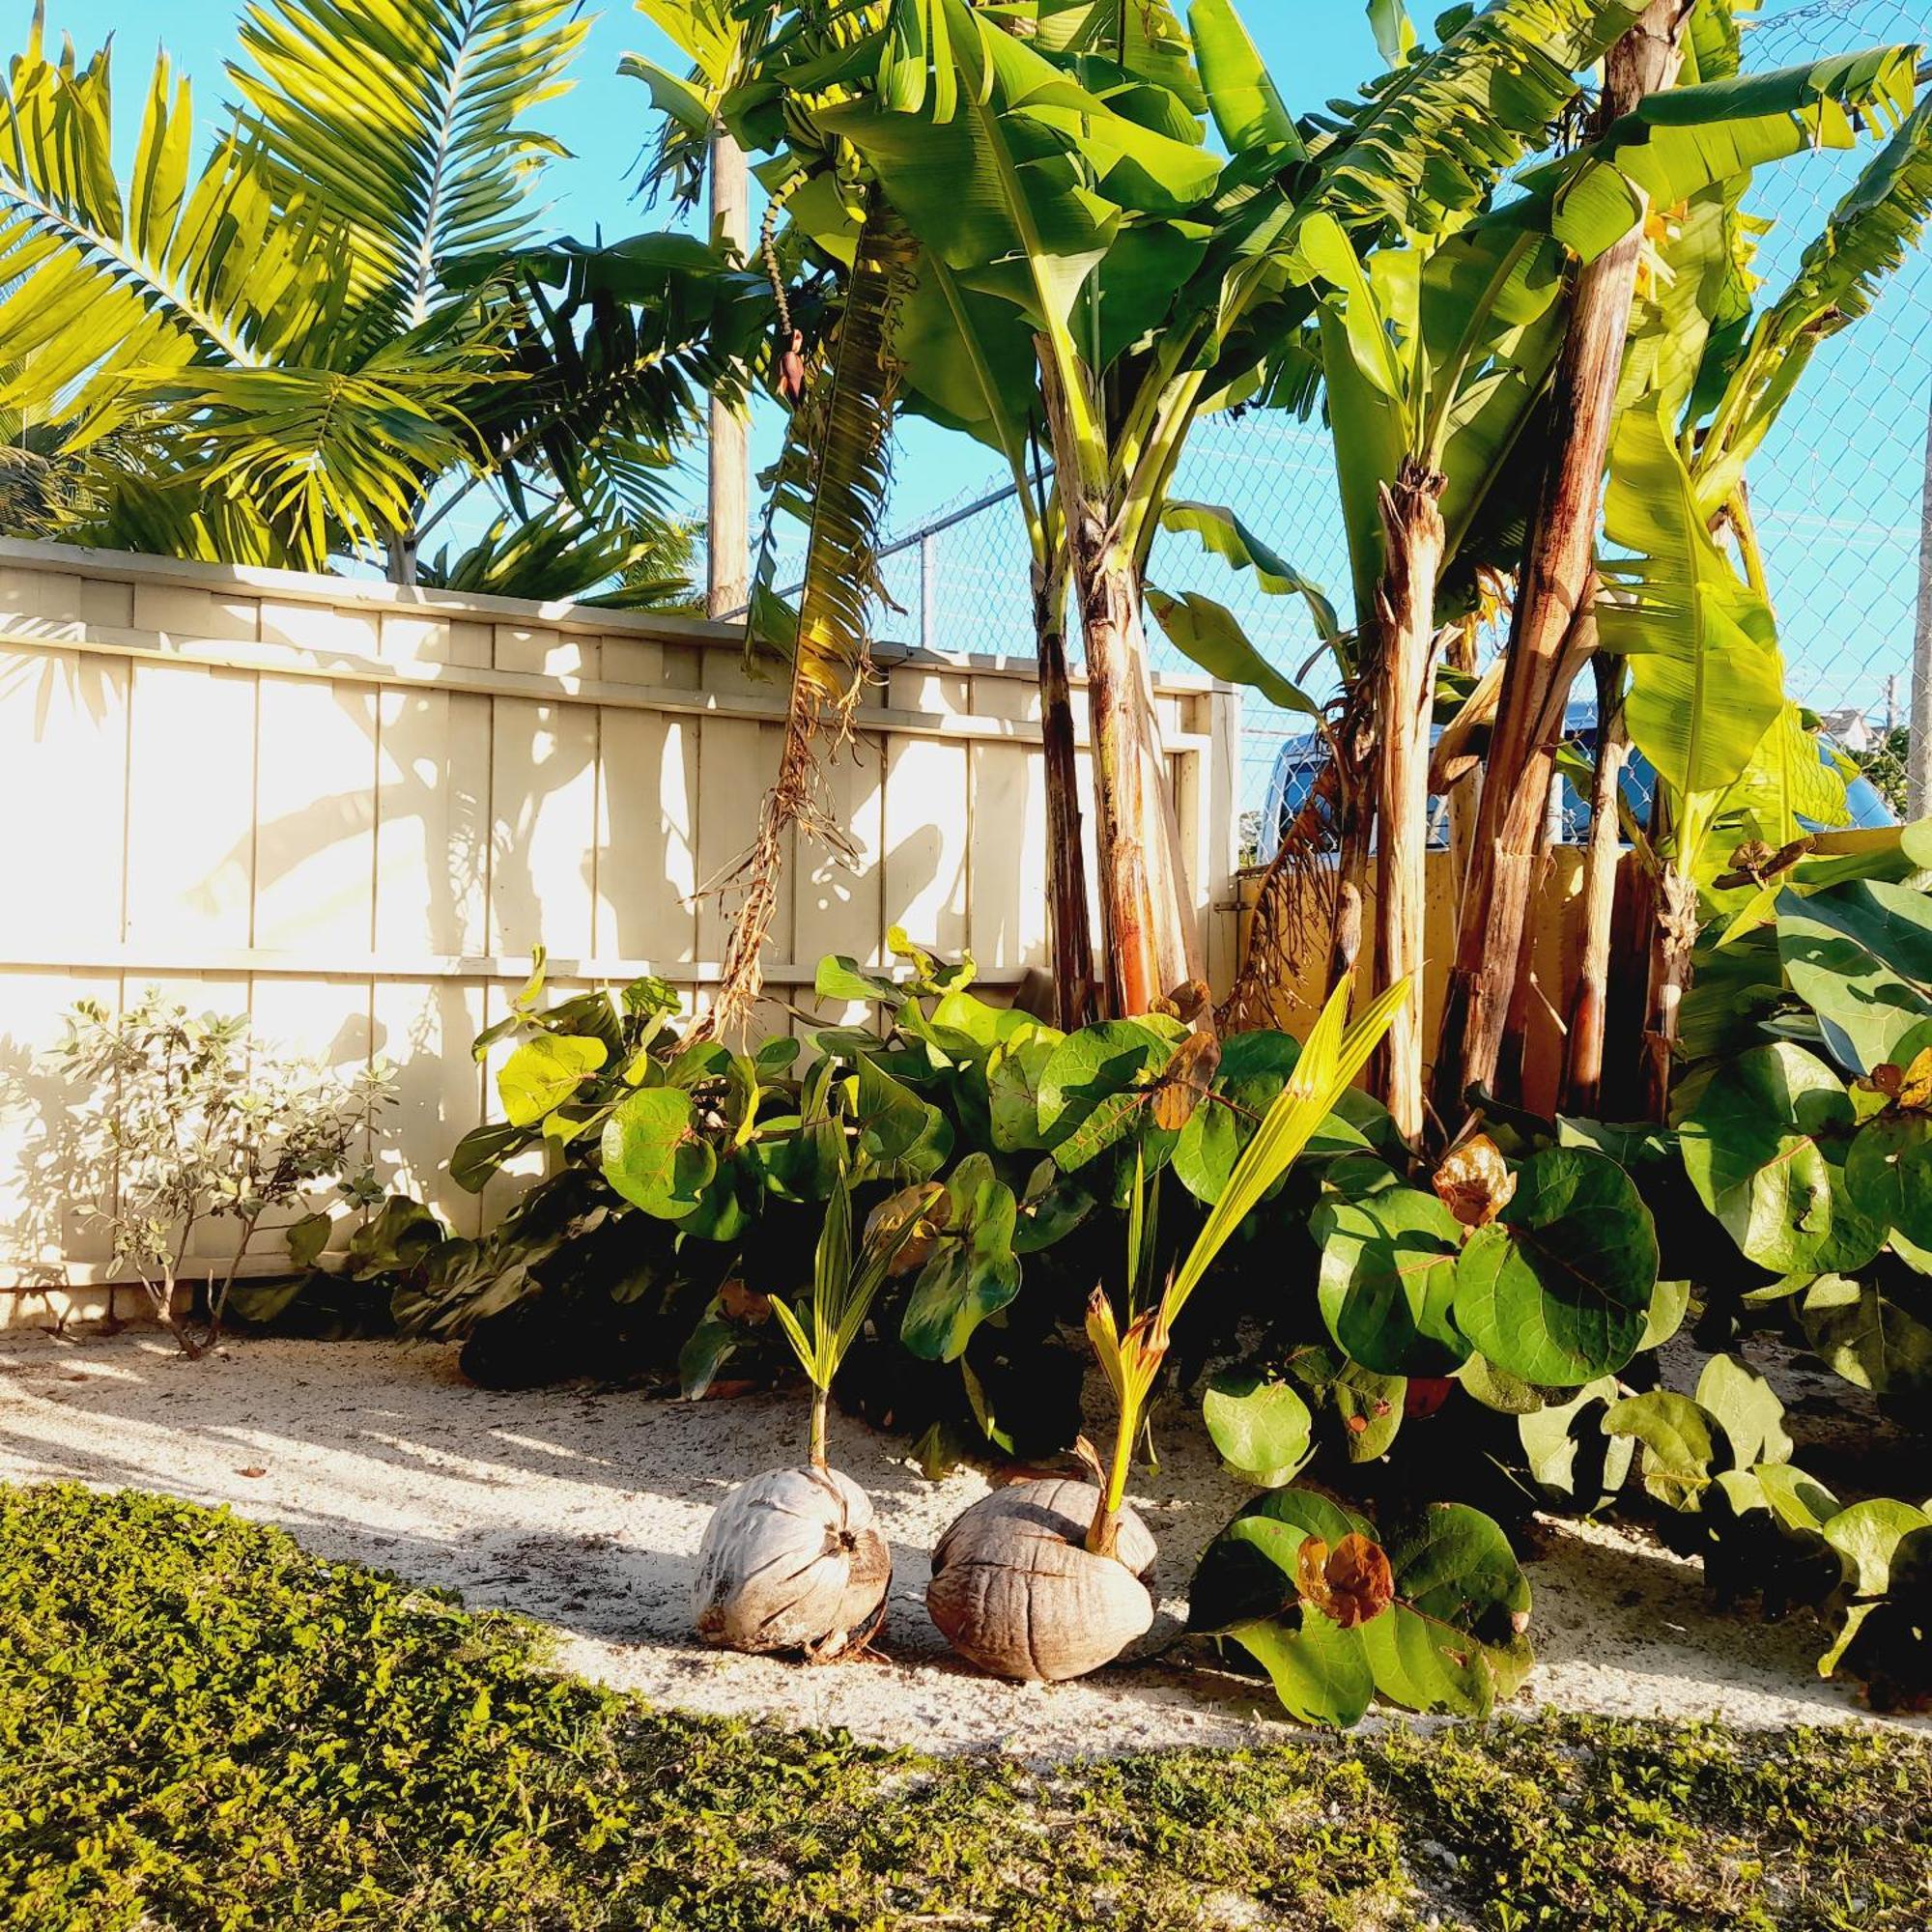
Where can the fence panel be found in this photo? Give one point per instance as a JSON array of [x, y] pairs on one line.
[[354, 811]]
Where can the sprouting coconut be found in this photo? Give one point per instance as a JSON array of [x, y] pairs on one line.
[[1047, 1580], [792, 1560]]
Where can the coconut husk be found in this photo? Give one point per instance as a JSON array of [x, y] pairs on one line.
[[1015, 1590], [792, 1561]]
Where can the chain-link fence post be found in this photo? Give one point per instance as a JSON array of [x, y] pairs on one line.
[[1918, 767]]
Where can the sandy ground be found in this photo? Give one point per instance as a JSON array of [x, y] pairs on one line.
[[584, 1509]]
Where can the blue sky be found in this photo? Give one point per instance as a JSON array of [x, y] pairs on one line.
[[1318, 48], [1837, 491]]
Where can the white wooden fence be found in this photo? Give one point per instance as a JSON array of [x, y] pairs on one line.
[[354, 809]]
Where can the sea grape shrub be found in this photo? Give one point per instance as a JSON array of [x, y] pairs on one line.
[[1805, 1125], [1719, 1462], [683, 1183], [1430, 1616]]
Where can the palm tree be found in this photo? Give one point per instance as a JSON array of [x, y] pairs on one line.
[[335, 330]]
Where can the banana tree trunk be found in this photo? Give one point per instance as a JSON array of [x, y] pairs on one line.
[[1072, 938], [1547, 641], [1353, 819], [1152, 946], [1673, 932], [1507, 1083], [1589, 1010], [1152, 943], [1406, 679]]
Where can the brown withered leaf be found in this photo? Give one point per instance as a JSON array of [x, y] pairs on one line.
[[1915, 1085], [1186, 1003], [744, 1304], [1185, 1085], [1348, 1585], [1474, 1182], [1886, 1078]]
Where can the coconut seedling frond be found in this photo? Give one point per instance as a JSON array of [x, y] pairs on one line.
[[844, 1284]]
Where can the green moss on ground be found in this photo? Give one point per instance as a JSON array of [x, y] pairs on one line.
[[201, 1726]]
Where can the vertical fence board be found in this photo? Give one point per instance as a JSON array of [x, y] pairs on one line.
[[190, 807], [543, 813], [432, 822], [63, 765], [315, 812]]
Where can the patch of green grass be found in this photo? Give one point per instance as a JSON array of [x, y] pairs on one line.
[[203, 1727]]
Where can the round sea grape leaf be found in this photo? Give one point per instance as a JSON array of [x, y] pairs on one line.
[[1678, 1447], [1371, 1406], [482, 1152], [1453, 1639], [1261, 1428], [1091, 1091], [1496, 1388], [1053, 1206], [1750, 1147], [971, 1273], [1389, 1279], [1865, 1335], [1859, 956], [1320, 1671], [1247, 1573], [652, 1155], [1856, 1236], [985, 1026], [1254, 1068], [1889, 1177], [1747, 1411], [1867, 1536], [900, 1137], [1556, 1290], [727, 1202], [1553, 1437], [1013, 1071], [1669, 1303], [545, 1072], [1794, 1498]]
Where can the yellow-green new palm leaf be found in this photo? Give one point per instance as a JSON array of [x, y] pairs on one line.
[[107, 288], [404, 122]]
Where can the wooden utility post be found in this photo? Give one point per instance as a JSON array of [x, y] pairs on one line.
[[727, 528]]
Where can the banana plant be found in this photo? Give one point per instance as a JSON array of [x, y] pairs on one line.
[[1688, 606], [322, 336], [1442, 331], [1059, 227], [1678, 128]]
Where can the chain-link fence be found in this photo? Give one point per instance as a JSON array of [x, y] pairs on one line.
[[1839, 490]]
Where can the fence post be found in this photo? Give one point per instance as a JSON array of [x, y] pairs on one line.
[[1919, 746], [928, 589]]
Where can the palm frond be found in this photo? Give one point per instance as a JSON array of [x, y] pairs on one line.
[[325, 453], [619, 349], [557, 555], [180, 271], [833, 477], [407, 122]]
